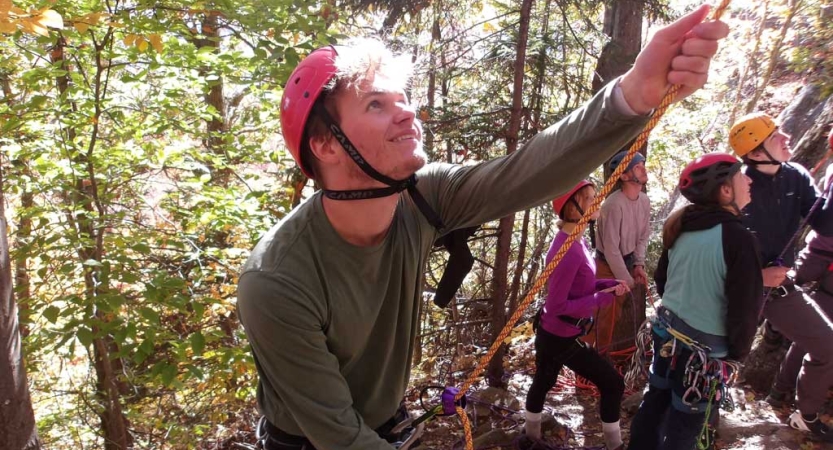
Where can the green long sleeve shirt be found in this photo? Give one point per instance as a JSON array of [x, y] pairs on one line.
[[332, 326]]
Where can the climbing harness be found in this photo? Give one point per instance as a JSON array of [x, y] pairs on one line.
[[402, 435]]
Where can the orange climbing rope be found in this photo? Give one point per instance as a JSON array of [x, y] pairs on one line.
[[578, 231]]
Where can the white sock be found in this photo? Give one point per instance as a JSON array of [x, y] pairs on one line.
[[613, 434], [532, 426]]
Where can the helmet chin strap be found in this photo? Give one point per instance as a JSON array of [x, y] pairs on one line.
[[635, 179], [591, 223], [770, 162], [394, 186], [578, 207]]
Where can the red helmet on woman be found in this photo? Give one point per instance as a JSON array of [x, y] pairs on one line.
[[559, 202], [702, 176], [302, 89]]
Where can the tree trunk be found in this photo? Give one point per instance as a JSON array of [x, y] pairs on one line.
[[432, 81], [751, 61], [17, 419], [623, 23], [774, 55], [108, 388], [217, 126], [499, 284], [24, 230], [22, 280], [519, 265]]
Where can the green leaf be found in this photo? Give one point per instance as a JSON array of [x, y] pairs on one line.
[[195, 372], [51, 313], [149, 314], [85, 335], [141, 247], [168, 374], [198, 342]]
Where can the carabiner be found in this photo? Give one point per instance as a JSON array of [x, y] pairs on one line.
[[696, 392]]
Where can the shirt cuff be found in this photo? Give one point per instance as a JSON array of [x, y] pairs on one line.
[[620, 103]]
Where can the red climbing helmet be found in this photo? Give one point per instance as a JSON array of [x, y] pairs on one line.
[[703, 175], [559, 202], [302, 89]]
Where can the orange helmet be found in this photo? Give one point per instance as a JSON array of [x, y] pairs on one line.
[[750, 131], [302, 90], [559, 202]]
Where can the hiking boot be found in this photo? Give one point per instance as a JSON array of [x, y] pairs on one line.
[[780, 399], [818, 429]]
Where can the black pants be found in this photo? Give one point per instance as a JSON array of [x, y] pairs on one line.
[[277, 439], [553, 352]]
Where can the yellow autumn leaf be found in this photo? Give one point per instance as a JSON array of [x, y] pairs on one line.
[[50, 18], [31, 26], [488, 27], [92, 18], [141, 44], [130, 39], [81, 27], [156, 42]]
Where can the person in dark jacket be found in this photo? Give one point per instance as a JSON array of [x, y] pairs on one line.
[[782, 194], [709, 278]]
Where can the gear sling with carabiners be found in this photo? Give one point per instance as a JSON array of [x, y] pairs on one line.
[[690, 364]]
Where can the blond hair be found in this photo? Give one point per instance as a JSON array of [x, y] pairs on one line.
[[362, 59]]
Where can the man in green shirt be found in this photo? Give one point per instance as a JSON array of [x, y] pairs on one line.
[[330, 296]]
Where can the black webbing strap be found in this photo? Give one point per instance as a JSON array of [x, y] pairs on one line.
[[394, 186], [460, 262]]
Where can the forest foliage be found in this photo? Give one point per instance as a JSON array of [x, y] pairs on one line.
[[141, 159]]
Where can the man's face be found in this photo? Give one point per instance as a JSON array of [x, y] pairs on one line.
[[778, 145], [380, 121], [637, 173]]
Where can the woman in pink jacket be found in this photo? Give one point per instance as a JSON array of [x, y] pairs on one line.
[[574, 294]]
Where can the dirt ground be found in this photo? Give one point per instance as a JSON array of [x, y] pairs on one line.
[[497, 416]]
